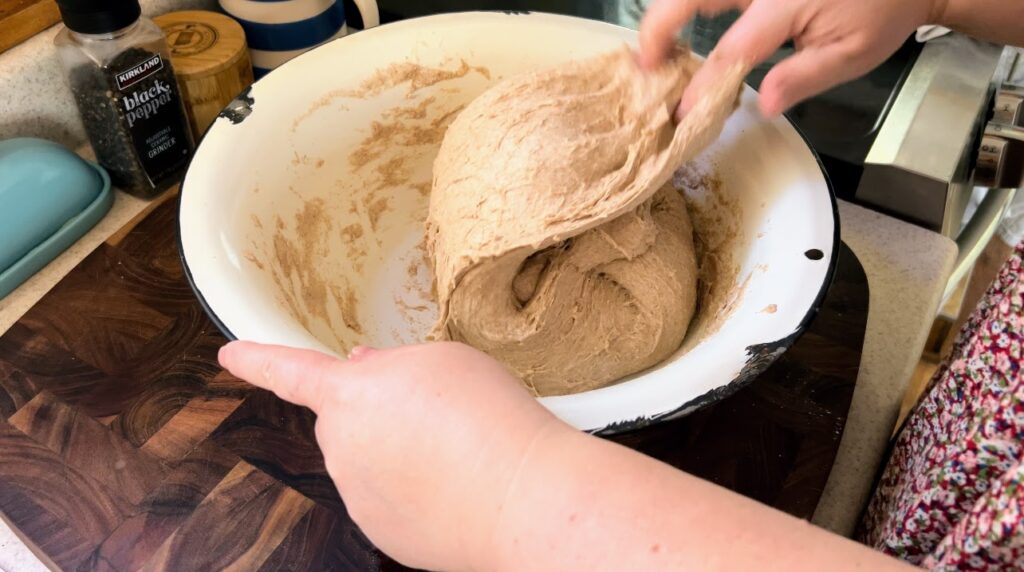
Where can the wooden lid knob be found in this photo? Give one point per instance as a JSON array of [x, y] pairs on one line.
[[210, 60], [201, 42]]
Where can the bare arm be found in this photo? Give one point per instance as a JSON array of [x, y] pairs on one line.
[[582, 503], [999, 21], [446, 462]]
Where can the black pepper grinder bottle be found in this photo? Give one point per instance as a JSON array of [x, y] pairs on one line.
[[119, 71]]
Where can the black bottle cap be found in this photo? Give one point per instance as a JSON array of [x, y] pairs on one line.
[[98, 16]]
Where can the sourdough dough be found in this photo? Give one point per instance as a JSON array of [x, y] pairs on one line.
[[557, 245]]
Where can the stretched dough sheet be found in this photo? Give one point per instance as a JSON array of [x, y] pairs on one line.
[[556, 245]]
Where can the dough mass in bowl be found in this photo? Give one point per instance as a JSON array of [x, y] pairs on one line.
[[558, 246]]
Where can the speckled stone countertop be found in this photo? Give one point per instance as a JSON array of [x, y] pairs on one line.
[[907, 269]]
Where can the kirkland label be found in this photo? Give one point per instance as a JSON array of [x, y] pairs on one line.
[[140, 72], [151, 107]]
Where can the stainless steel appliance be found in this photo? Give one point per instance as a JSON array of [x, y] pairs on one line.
[[954, 124]]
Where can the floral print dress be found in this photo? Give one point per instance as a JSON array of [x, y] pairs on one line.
[[952, 495]]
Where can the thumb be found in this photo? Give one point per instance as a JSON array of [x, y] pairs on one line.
[[299, 376]]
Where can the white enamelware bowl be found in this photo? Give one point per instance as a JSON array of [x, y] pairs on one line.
[[286, 240]]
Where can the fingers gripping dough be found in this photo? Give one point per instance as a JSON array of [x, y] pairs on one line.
[[557, 245]]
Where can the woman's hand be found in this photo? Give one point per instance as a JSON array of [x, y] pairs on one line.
[[423, 442], [836, 41], [446, 462]]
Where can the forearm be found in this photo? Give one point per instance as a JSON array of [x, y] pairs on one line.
[[581, 503], [999, 21]]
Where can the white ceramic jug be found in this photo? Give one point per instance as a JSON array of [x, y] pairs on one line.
[[277, 31]]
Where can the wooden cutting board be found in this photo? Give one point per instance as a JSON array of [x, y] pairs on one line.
[[124, 446], [22, 19]]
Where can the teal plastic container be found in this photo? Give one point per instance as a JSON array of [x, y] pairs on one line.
[[49, 198]]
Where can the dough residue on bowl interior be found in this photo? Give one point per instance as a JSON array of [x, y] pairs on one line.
[[717, 235], [416, 76], [349, 220]]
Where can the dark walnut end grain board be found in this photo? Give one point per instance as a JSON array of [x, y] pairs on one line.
[[123, 445], [22, 19]]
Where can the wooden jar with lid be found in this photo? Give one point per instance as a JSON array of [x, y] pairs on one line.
[[210, 59]]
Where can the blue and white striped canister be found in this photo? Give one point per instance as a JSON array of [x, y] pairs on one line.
[[279, 30]]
